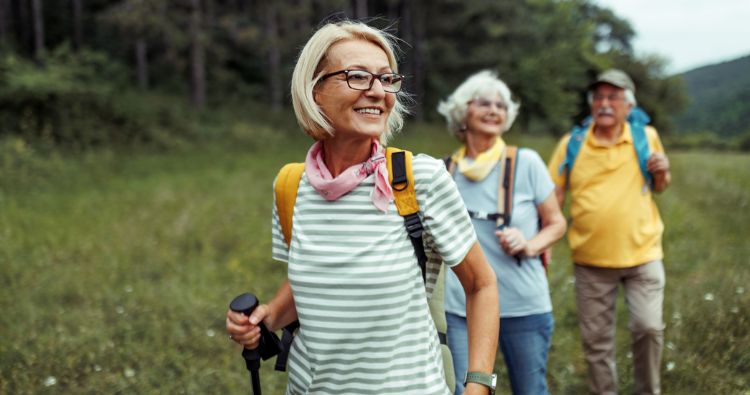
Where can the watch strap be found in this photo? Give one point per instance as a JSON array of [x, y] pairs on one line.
[[486, 379]]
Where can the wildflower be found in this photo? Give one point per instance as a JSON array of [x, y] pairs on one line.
[[670, 366], [709, 297], [210, 333], [740, 290], [120, 310], [50, 381], [129, 372], [670, 345]]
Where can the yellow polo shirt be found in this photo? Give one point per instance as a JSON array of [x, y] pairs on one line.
[[615, 221]]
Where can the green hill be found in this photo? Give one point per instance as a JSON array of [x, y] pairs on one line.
[[720, 99]]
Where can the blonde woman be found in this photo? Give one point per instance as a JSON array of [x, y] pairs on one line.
[[353, 280]]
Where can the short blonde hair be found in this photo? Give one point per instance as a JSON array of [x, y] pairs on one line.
[[309, 69], [480, 85]]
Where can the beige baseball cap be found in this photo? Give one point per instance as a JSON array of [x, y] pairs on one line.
[[614, 77]]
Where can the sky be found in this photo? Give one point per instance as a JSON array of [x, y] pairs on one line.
[[688, 33]]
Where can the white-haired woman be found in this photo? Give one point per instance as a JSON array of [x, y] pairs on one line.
[[478, 113], [353, 280]]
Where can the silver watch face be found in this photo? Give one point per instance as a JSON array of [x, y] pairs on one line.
[[494, 380]]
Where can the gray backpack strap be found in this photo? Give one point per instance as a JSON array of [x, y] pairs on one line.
[[437, 311]]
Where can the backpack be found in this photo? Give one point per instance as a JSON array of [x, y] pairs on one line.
[[399, 164], [638, 120], [506, 187]]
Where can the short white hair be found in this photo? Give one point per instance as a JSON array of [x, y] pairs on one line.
[[483, 84], [311, 63], [629, 97]]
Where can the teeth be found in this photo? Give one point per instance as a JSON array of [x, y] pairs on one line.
[[369, 111]]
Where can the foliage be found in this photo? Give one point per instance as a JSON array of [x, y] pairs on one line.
[[75, 100], [117, 268], [720, 99], [708, 141], [546, 50], [523, 42], [660, 97]]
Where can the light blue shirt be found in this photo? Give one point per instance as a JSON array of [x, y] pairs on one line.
[[523, 290]]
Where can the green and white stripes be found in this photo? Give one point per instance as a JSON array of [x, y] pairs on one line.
[[362, 305]]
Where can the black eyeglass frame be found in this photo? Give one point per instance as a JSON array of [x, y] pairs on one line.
[[372, 80]]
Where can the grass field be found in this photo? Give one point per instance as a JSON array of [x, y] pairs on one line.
[[116, 269]]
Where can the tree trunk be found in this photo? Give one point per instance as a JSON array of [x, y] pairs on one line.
[[141, 63], [5, 21], [316, 13], [274, 56], [413, 67], [419, 63], [394, 11], [37, 16], [21, 19], [360, 9], [197, 58], [77, 24]]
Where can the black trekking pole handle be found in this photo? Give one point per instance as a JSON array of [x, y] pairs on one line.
[[268, 346]]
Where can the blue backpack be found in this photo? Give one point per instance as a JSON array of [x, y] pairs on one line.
[[638, 120]]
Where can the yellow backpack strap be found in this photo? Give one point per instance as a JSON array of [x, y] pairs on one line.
[[287, 183], [403, 185], [402, 182], [401, 176]]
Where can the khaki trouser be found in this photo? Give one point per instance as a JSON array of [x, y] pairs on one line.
[[596, 293]]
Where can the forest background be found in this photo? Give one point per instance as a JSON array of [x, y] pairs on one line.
[[139, 140]]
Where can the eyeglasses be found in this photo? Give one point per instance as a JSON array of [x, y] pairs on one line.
[[610, 98], [362, 80], [485, 104]]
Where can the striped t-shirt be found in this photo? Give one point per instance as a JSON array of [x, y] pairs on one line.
[[365, 327]]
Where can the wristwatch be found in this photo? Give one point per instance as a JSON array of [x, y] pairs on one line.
[[486, 379]]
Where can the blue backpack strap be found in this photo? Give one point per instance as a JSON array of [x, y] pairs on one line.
[[577, 137], [638, 120]]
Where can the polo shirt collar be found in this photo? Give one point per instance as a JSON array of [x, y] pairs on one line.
[[625, 138]]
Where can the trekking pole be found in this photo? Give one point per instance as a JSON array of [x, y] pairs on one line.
[[269, 343]]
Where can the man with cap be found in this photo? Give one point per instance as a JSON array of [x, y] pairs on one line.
[[616, 232]]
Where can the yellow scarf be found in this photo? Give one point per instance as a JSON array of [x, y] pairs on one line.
[[483, 163]]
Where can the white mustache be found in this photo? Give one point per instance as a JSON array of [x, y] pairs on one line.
[[605, 111]]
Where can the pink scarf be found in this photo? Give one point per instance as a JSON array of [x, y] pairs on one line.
[[333, 188]]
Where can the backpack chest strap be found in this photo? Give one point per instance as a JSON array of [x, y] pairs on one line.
[[401, 176]]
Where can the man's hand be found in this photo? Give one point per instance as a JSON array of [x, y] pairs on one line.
[[658, 165]]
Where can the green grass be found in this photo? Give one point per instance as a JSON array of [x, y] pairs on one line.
[[117, 268]]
